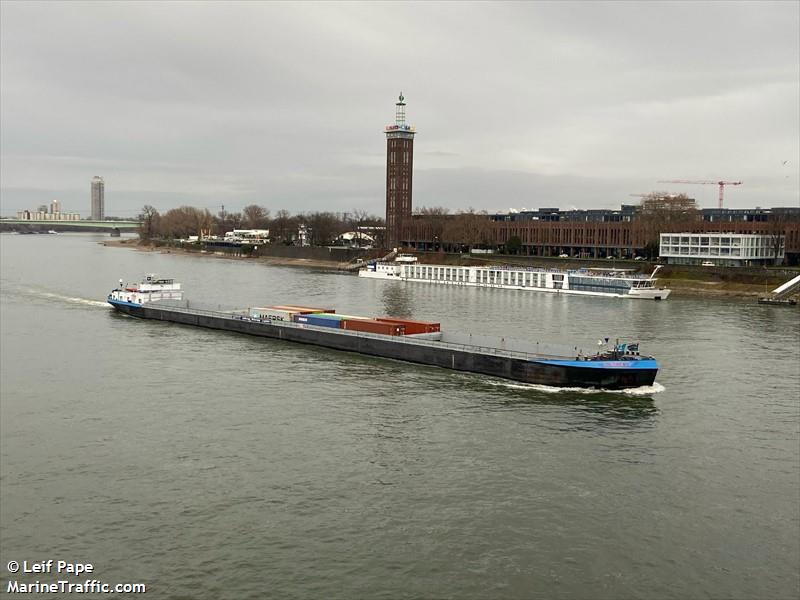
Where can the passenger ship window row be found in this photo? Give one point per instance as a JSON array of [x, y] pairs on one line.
[[482, 277]]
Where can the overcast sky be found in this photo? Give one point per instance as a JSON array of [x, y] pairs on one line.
[[283, 104]]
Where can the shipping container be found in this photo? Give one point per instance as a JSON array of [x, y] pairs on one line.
[[372, 326], [317, 320], [271, 314], [329, 316], [412, 327], [343, 317], [303, 309]]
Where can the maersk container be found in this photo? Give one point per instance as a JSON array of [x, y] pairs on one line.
[[304, 309], [412, 327], [319, 321], [271, 314], [372, 326]]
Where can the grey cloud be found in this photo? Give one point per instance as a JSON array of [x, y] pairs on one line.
[[516, 104]]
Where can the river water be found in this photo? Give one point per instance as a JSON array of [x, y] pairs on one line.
[[213, 465]]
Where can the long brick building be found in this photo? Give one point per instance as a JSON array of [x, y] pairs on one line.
[[590, 238]]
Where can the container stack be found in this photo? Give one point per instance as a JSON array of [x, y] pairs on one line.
[[270, 313], [285, 312], [373, 326], [319, 319], [413, 327], [327, 317]]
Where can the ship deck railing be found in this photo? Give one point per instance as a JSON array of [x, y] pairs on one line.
[[544, 351], [599, 271]]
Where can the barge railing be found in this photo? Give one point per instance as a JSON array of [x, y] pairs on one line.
[[547, 351]]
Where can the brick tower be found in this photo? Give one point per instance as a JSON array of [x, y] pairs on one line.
[[399, 169]]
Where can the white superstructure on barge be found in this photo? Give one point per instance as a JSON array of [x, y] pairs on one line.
[[615, 283], [150, 289]]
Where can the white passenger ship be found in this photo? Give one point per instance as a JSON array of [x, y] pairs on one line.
[[615, 283]]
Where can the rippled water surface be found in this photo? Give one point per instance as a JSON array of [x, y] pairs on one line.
[[215, 465]]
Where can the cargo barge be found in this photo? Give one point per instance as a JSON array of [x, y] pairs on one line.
[[611, 283], [614, 367]]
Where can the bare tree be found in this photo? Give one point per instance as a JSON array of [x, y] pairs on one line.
[[662, 212], [255, 216], [149, 222], [358, 219], [324, 227], [467, 229], [185, 221], [431, 211], [776, 229], [284, 226]]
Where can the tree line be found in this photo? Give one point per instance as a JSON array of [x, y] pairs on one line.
[[467, 228], [456, 231], [321, 228]]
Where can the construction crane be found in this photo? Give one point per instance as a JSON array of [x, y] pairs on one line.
[[721, 185]]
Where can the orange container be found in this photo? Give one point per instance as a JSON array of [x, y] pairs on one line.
[[412, 327], [372, 326]]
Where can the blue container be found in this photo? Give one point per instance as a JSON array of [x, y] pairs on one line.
[[329, 316], [318, 320]]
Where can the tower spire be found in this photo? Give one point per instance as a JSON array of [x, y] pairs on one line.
[[400, 111]]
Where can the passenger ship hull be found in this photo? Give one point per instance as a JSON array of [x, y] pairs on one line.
[[557, 282]]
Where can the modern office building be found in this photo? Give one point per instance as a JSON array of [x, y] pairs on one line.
[[627, 212], [631, 212], [722, 249], [55, 207], [39, 215], [98, 198], [750, 215], [399, 170]]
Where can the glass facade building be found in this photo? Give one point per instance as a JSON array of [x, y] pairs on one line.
[[721, 249]]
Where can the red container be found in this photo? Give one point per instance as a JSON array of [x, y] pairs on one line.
[[373, 326], [412, 327], [304, 309]]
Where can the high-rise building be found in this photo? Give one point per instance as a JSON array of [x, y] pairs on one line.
[[55, 207], [399, 169], [98, 198]]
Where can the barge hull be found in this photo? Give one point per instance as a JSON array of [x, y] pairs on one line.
[[552, 373]]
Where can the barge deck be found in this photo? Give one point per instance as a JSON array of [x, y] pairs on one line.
[[498, 357]]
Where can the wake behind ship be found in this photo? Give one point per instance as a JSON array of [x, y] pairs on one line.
[[618, 366]]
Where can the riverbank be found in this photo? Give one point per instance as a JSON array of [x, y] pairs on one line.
[[682, 281], [133, 244]]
